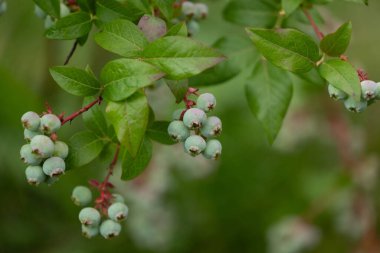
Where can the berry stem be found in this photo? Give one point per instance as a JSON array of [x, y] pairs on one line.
[[71, 53], [84, 109]]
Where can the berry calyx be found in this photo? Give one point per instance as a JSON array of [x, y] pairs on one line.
[[50, 123], [89, 216], [353, 106], [206, 102], [194, 118], [370, 90], [90, 231], [42, 146], [213, 149], [336, 93], [54, 166], [194, 145], [178, 131], [110, 229], [118, 211], [35, 175], [31, 121], [212, 127]]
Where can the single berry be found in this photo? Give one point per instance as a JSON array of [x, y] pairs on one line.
[[39, 12], [42, 145], [178, 131], [353, 106], [110, 229], [194, 118], [177, 114], [31, 121], [370, 90], [206, 102], [90, 231], [200, 11], [336, 93], [50, 123], [65, 11], [212, 127], [28, 135], [118, 211], [61, 149], [81, 196], [193, 27], [194, 145], [54, 166], [35, 175], [89, 216], [188, 8], [117, 198], [152, 27], [28, 157], [213, 149]]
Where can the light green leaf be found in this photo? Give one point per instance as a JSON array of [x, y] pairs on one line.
[[343, 76], [130, 119], [180, 57], [269, 91], [165, 7], [335, 44], [288, 49], [124, 77], [108, 10], [179, 29], [178, 88], [75, 81], [94, 118], [290, 5], [51, 7]]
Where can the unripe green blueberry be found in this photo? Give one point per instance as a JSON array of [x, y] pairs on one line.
[[49, 22], [188, 8], [110, 229], [65, 11], [206, 102], [118, 211], [177, 114], [90, 231], [61, 149], [193, 27], [117, 198], [35, 175], [178, 131], [194, 118], [50, 123], [31, 121], [152, 27], [89, 216], [370, 90], [353, 106], [3, 7], [28, 157], [213, 149], [42, 145], [336, 93], [194, 145], [54, 166], [81, 196], [39, 12], [200, 11], [212, 127], [28, 135]]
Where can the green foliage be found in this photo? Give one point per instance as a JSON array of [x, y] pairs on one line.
[[158, 131], [51, 7], [290, 5], [336, 44]]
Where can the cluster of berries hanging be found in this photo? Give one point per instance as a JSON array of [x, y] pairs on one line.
[[44, 154], [192, 126], [192, 13]]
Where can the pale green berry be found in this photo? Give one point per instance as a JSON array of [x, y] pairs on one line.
[[353, 106], [336, 93], [49, 22], [42, 145], [81, 196], [178, 131], [212, 127], [206, 102], [194, 145], [3, 7], [65, 11], [110, 229], [28, 157], [194, 118], [370, 90], [213, 149], [117, 198], [200, 11], [193, 27], [50, 123], [89, 216], [152, 27], [54, 166], [39, 12], [90, 231], [61, 149], [35, 175], [118, 211], [28, 135], [31, 121], [188, 8], [177, 114]]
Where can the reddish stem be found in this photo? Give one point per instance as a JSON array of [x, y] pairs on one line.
[[84, 109], [318, 32]]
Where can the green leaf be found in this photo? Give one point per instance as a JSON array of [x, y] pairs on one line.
[[108, 10], [158, 131], [75, 81], [343, 76], [179, 29], [178, 88], [165, 7], [336, 44], [132, 166], [51, 7], [84, 147], [257, 13], [124, 77], [269, 91], [290, 5], [87, 5], [358, 1], [121, 37], [73, 26], [180, 57], [130, 119], [288, 49], [94, 118]]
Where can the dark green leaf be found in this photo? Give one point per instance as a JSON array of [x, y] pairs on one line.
[[290, 5], [179, 29], [289, 49], [269, 91], [158, 131], [337, 43], [108, 10], [73, 26], [87, 5], [165, 7], [51, 7], [178, 88], [94, 118]]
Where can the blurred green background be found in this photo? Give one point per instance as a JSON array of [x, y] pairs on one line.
[[243, 202]]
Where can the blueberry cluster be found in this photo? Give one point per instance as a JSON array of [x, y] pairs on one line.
[[193, 127], [44, 155], [91, 218], [194, 12], [370, 93], [49, 20]]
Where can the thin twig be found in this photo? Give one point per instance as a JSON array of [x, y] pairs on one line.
[[84, 109], [74, 47]]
